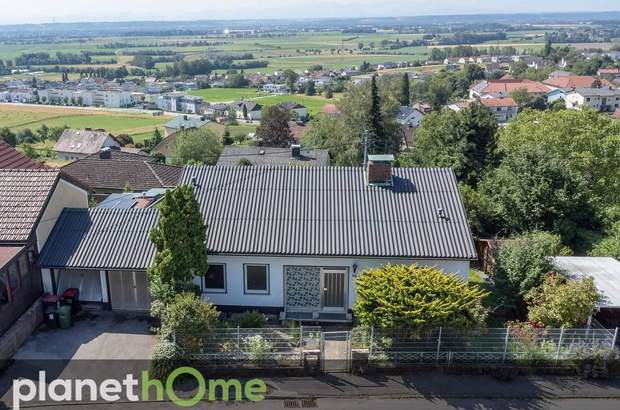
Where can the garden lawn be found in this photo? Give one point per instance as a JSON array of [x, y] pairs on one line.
[[19, 117], [225, 94]]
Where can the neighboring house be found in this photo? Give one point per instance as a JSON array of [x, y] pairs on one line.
[[555, 95], [179, 102], [576, 81], [252, 109], [217, 110], [281, 240], [294, 156], [504, 87], [601, 99], [300, 110], [504, 109], [113, 171], [10, 158], [409, 116], [184, 122], [608, 71], [76, 144], [461, 105], [31, 201], [276, 88], [103, 252]]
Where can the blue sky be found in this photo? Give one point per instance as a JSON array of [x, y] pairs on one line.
[[37, 11]]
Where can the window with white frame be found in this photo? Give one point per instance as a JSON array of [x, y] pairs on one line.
[[215, 279], [256, 278]]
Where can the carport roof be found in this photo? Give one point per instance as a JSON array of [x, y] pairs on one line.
[[604, 271], [102, 239]]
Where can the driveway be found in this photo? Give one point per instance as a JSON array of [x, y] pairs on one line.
[[95, 335], [100, 345]]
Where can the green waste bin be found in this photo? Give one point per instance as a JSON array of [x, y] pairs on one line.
[[64, 317]]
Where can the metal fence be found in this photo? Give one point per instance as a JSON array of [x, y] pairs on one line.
[[390, 347], [263, 347]]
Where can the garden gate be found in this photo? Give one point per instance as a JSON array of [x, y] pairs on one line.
[[336, 352]]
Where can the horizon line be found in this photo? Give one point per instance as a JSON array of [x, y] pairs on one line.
[[223, 19]]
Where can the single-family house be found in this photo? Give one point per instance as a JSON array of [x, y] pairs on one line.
[[276, 88], [299, 110], [76, 144], [504, 109], [610, 71], [571, 82], [601, 99], [409, 116], [296, 255], [112, 171], [247, 110], [217, 110], [184, 122], [31, 201], [504, 87], [261, 156]]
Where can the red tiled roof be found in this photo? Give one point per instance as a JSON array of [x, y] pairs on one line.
[[498, 102], [10, 158], [509, 85], [330, 109], [611, 70], [575, 81]]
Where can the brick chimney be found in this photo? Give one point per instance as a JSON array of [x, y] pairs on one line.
[[105, 153], [379, 170]]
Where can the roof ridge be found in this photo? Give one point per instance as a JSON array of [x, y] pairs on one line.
[[161, 182]]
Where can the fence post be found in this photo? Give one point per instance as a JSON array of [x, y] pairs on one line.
[[506, 344], [557, 353], [372, 337], [301, 343], [439, 342], [613, 343], [238, 341]]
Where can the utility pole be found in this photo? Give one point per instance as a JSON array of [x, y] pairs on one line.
[[365, 148]]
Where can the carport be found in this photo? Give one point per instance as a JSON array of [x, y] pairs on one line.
[[103, 252], [606, 274]]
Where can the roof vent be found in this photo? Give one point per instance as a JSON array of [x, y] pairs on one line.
[[379, 170], [105, 153], [296, 151]]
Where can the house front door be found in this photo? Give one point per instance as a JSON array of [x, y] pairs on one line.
[[334, 290]]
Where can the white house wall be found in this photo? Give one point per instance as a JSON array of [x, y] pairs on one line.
[[65, 195], [235, 296]]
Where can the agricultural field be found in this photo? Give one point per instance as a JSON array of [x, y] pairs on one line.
[[19, 117]]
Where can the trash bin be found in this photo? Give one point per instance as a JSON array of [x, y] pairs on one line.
[[51, 301], [64, 317], [51, 317], [71, 297]]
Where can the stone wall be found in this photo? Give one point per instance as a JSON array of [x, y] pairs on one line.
[[17, 334]]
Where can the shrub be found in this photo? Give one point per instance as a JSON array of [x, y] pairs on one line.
[[561, 303], [251, 320], [414, 297], [188, 320], [258, 347], [167, 356], [522, 264]]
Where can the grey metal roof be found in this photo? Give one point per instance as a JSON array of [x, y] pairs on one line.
[[330, 211], [100, 238], [605, 272], [81, 141], [186, 122], [272, 156]]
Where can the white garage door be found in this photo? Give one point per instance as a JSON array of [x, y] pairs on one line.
[[129, 290]]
